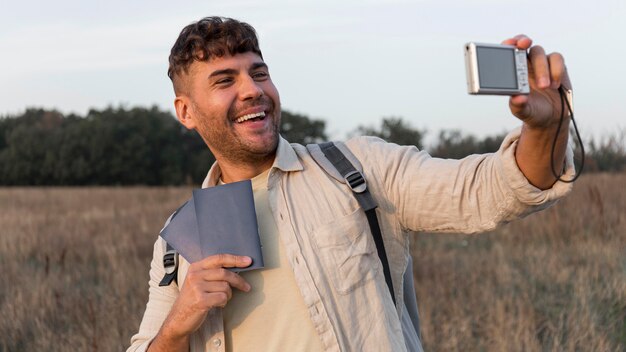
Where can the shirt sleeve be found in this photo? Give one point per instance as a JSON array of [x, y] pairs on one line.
[[469, 195], [160, 301]]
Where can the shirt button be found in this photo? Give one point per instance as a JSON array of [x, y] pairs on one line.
[[217, 342]]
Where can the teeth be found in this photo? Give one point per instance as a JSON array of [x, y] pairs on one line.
[[250, 116]]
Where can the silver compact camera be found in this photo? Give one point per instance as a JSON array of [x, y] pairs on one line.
[[496, 69]]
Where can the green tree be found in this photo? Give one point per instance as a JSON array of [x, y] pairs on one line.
[[135, 146], [197, 157], [394, 130], [110, 146], [608, 153], [297, 128], [28, 154], [114, 146], [455, 145]]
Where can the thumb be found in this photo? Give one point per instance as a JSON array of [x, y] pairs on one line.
[[519, 106]]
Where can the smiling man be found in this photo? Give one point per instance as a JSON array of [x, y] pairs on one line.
[[230, 99], [323, 287]]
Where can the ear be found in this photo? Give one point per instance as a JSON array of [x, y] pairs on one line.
[[182, 104]]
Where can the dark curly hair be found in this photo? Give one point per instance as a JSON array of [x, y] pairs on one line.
[[208, 38]]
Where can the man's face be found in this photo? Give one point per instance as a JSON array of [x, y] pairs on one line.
[[232, 102]]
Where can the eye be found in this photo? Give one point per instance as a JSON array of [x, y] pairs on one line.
[[224, 81], [260, 75]]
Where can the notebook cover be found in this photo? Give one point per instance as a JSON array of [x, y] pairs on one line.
[[227, 222], [220, 219]]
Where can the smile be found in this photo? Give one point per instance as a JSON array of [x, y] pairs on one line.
[[258, 115]]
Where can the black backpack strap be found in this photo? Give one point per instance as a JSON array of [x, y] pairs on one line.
[[358, 185], [170, 258], [170, 263]]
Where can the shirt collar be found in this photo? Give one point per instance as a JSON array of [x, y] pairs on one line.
[[286, 160]]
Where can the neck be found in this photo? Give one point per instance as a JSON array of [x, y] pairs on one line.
[[233, 172]]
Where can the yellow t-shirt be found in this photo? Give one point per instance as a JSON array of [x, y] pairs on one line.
[[272, 316]]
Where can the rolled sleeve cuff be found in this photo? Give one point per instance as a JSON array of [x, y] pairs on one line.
[[142, 347], [524, 191]]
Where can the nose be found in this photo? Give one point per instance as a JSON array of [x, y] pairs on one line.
[[250, 89]]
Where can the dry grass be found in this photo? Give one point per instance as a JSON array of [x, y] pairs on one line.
[[74, 268], [555, 281], [75, 263]]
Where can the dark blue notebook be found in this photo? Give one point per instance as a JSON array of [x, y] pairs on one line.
[[219, 219]]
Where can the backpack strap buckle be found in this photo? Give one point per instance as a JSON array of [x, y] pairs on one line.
[[356, 181], [170, 263]]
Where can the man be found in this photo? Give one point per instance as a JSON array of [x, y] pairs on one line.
[[323, 287]]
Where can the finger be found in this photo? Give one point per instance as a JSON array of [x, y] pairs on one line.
[[521, 41], [557, 69], [540, 66], [565, 81], [196, 274], [217, 286], [519, 106], [204, 294], [215, 299], [228, 276], [225, 261], [564, 76]]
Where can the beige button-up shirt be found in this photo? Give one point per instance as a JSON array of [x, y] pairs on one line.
[[330, 247]]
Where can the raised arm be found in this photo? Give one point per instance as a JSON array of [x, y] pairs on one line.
[[540, 112]]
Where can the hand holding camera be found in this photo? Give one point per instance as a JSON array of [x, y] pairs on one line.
[[546, 73], [532, 79], [541, 96]]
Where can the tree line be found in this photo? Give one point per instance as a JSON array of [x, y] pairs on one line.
[[130, 146]]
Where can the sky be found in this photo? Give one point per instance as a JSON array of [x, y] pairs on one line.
[[347, 62]]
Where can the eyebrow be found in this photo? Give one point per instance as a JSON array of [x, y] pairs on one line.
[[231, 71], [258, 65], [227, 71]]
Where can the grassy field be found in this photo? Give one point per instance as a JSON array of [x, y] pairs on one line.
[[74, 263]]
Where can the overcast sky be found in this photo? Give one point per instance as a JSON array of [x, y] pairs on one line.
[[347, 62]]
